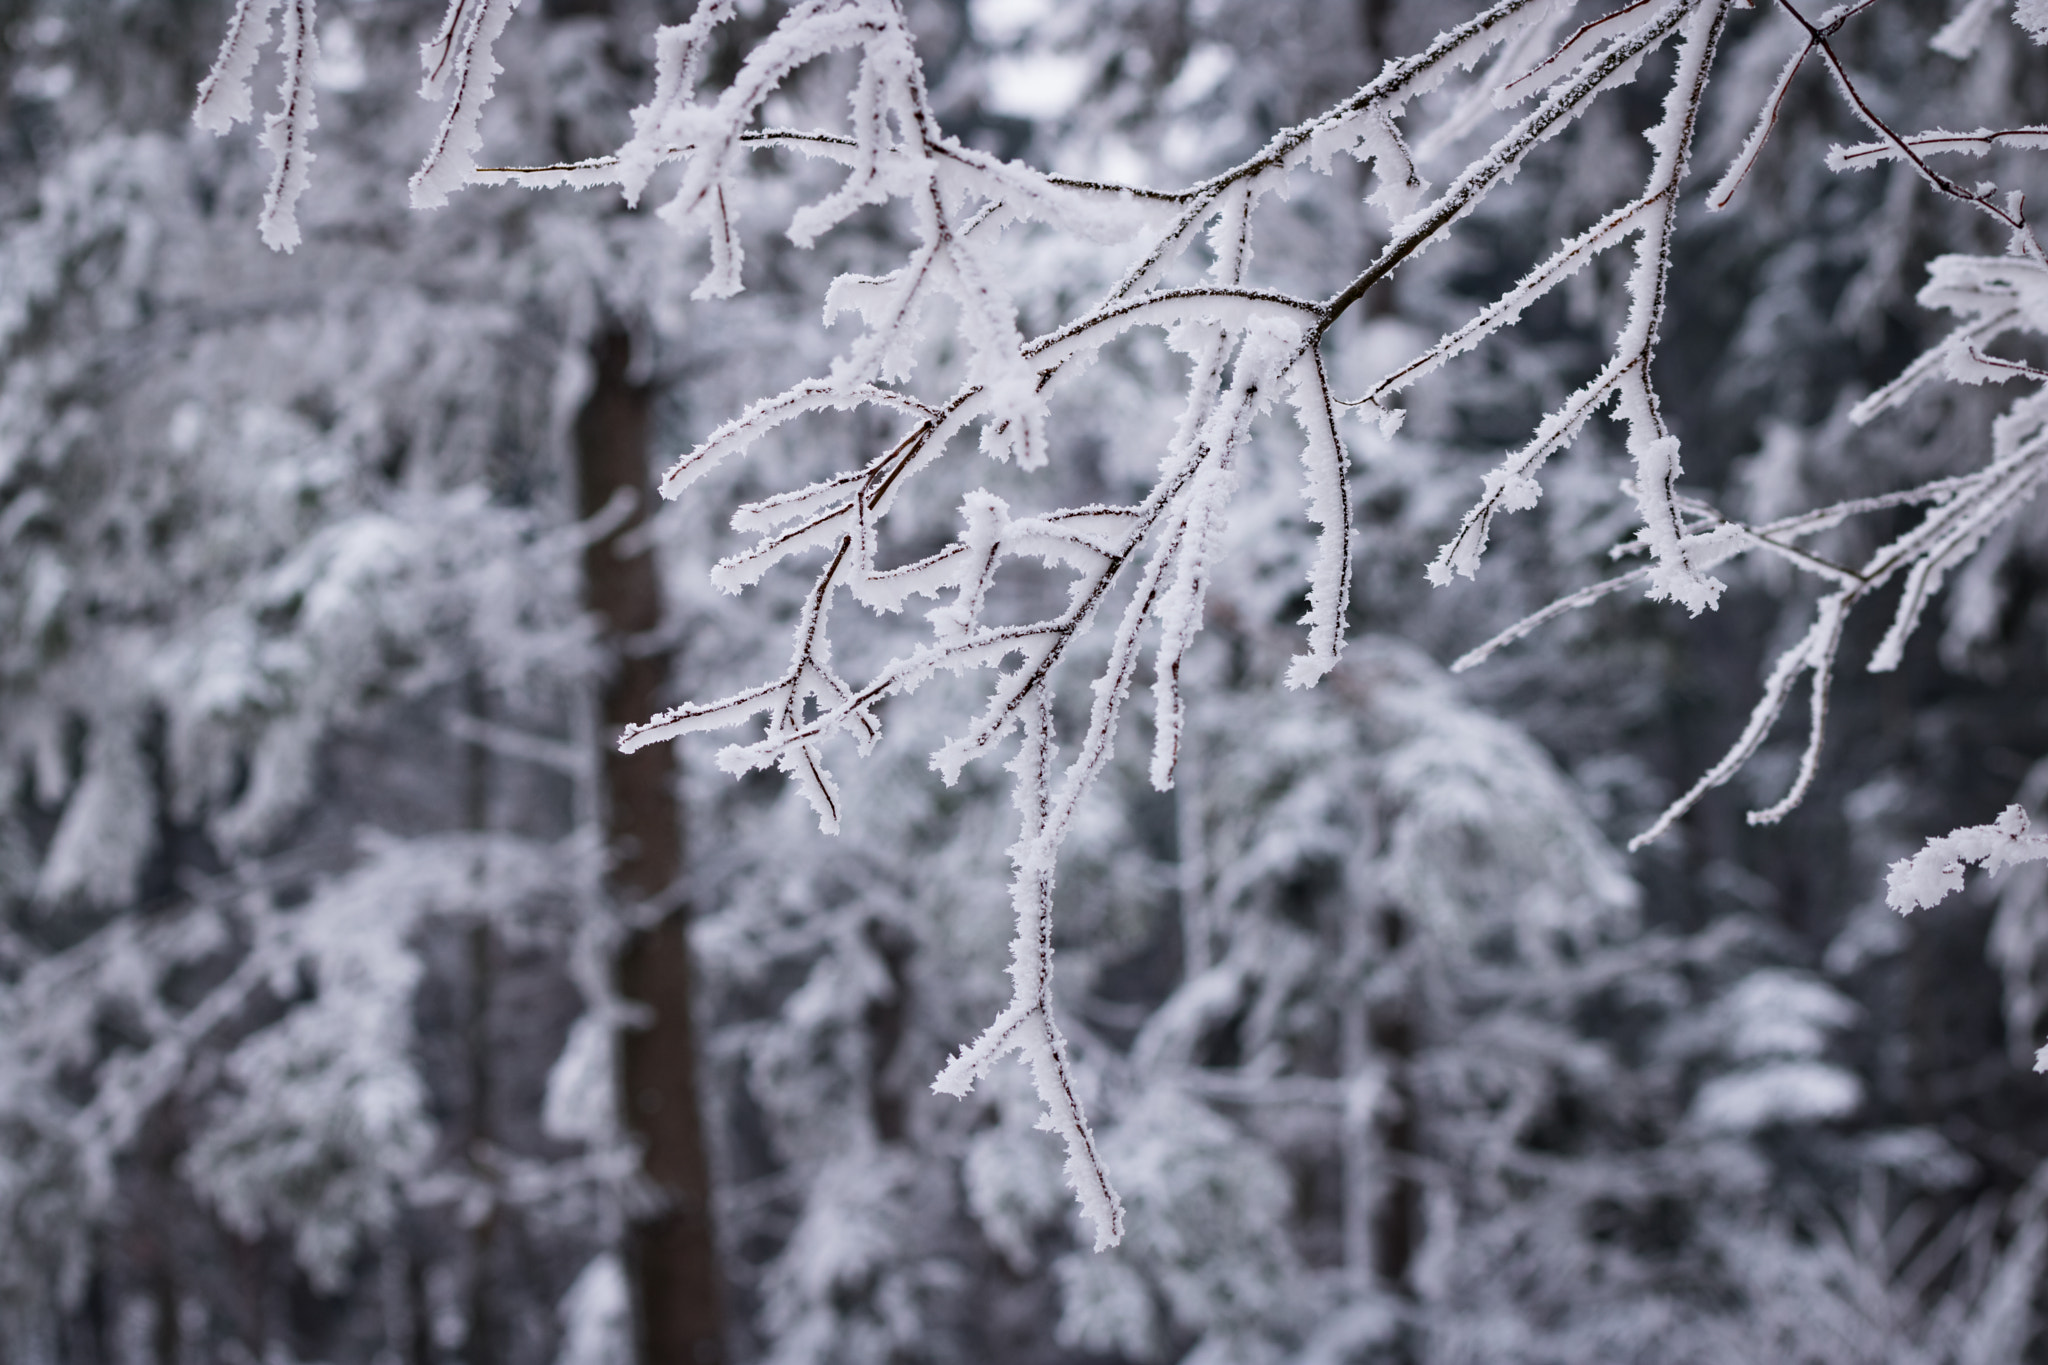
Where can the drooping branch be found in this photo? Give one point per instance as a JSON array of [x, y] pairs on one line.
[[1247, 344]]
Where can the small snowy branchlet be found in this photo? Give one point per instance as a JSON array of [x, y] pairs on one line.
[[224, 94], [1626, 376], [1027, 1025], [459, 57], [286, 132], [1936, 871], [224, 101], [1687, 539]]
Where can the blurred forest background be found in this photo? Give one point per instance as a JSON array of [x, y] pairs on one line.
[[331, 932]]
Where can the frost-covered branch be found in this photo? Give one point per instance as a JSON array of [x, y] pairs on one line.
[[224, 101], [1936, 871], [1185, 270], [1996, 295], [1247, 345]]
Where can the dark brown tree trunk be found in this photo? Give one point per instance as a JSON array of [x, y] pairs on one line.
[[1397, 1225], [672, 1261], [482, 1346]]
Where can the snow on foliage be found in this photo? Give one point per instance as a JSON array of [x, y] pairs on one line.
[[235, 579], [1936, 871], [1776, 1026], [597, 1327], [1142, 569]]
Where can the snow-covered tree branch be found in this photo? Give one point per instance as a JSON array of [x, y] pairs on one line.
[[1181, 263]]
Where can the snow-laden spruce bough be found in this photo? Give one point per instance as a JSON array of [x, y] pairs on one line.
[[1249, 348]]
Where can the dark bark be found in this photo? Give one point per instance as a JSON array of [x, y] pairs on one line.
[[1397, 1223], [166, 1345], [886, 1016], [482, 1346], [671, 1255], [419, 1313]]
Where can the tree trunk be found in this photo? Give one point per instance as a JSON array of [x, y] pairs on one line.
[[671, 1257], [1398, 1222], [482, 1346]]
